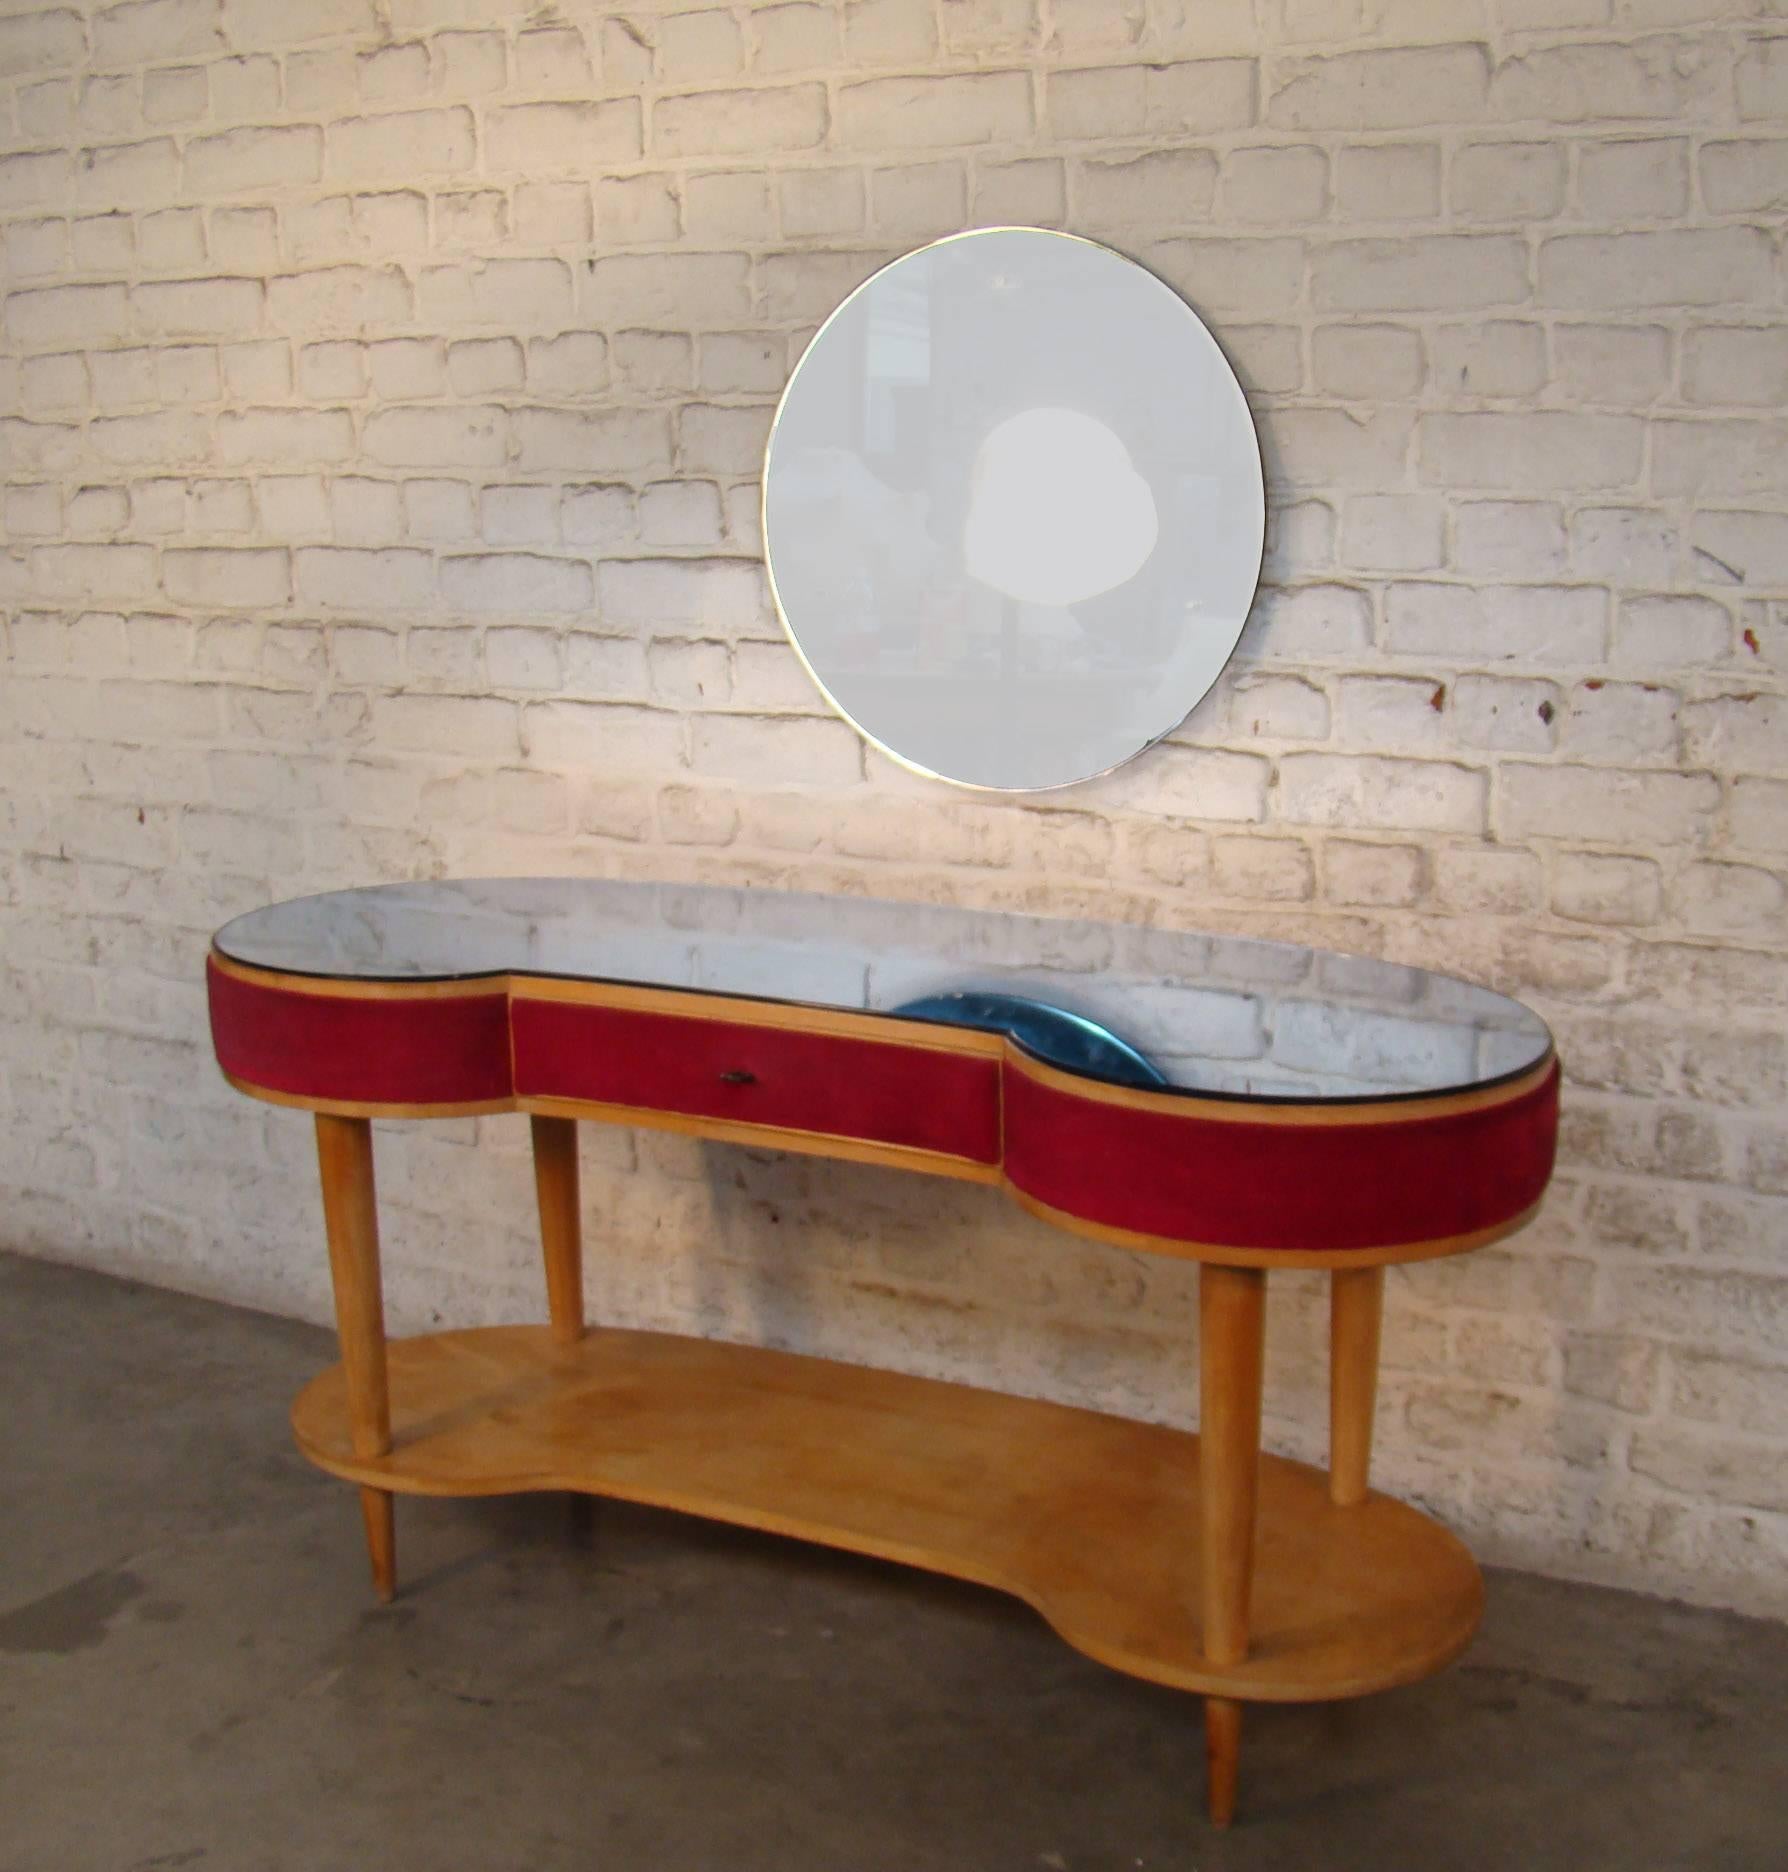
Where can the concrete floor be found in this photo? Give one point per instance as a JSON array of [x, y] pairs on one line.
[[193, 1674]]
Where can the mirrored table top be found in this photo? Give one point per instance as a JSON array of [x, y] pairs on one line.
[[1218, 1016]]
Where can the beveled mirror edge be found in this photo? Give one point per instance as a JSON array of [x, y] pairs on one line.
[[763, 505]]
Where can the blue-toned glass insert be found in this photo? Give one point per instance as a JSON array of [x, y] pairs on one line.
[[1070, 1041]]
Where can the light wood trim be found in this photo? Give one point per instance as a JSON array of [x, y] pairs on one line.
[[561, 1223], [350, 1219], [1356, 1315], [785, 1017], [1086, 1517], [773, 1137], [1222, 1757], [1300, 1112], [361, 1108], [344, 988], [1231, 1347]]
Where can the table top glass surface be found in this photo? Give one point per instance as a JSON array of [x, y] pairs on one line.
[[1217, 1015]]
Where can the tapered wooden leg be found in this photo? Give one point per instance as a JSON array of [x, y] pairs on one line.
[[344, 1155], [1232, 1335], [1222, 1757], [561, 1228], [1356, 1313]]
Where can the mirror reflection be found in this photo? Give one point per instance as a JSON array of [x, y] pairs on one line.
[[1013, 509]]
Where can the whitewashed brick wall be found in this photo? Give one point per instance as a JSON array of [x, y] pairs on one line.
[[384, 388]]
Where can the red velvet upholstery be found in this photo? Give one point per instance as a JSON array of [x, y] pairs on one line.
[[917, 1097], [438, 1051], [1310, 1187], [1276, 1182]]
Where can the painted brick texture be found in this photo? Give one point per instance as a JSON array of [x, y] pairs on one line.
[[383, 393]]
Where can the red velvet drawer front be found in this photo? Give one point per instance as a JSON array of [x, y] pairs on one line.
[[790, 1078]]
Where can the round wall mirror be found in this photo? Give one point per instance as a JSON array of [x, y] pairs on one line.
[[1013, 509]]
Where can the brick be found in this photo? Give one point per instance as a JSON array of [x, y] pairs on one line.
[[821, 201], [1311, 621], [1642, 180], [220, 578], [239, 161], [160, 438], [172, 241], [527, 295], [1030, 193], [1506, 715], [1716, 459], [1734, 364], [281, 437], [464, 727], [29, 179], [1627, 546], [920, 199], [596, 516], [712, 439], [51, 40], [1392, 88], [1591, 887], [67, 314], [603, 738], [558, 138], [102, 571], [607, 439], [1748, 730], [1750, 547], [1369, 361], [795, 38], [1355, 873], [178, 308], [515, 583], [1388, 182], [1435, 272], [694, 289], [923, 113], [722, 594], [436, 438], [175, 95], [129, 174], [1657, 267], [1527, 450], [732, 123], [1743, 902], [399, 145], [1750, 1473], [343, 298], [1666, 632], [1507, 181], [637, 208], [345, 578], [1616, 721], [1607, 805], [1762, 81], [1745, 177], [1247, 278], [247, 90], [1162, 188], [1621, 366], [1394, 795], [774, 748]]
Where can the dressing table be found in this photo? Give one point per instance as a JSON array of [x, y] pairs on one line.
[[1304, 1111]]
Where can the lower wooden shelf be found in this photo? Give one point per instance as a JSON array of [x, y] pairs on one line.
[[1090, 1519]]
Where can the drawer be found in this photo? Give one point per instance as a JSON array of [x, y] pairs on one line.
[[783, 1076]]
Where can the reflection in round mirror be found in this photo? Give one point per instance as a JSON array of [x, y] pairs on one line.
[[1013, 509]]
